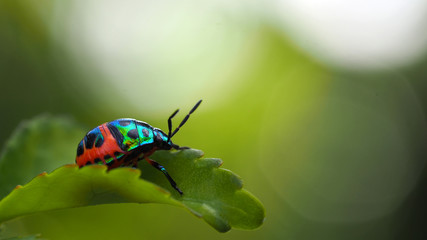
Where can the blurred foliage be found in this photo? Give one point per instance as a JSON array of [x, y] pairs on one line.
[[30, 237], [36, 74], [332, 153], [42, 144]]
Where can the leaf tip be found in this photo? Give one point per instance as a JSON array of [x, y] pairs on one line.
[[42, 174], [134, 172], [209, 162], [193, 153], [71, 166]]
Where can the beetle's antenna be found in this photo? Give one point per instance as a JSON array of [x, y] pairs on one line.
[[183, 121], [170, 124]]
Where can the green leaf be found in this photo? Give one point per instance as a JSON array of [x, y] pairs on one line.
[[69, 186], [210, 192]]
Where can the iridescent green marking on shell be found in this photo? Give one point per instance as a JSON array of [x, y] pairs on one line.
[[118, 155], [130, 142], [108, 159], [131, 133]]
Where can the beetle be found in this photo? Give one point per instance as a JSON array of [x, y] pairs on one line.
[[125, 141]]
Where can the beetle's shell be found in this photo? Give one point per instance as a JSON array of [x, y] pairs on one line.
[[116, 143]]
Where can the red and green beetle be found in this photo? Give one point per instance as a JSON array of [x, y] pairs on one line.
[[124, 142]]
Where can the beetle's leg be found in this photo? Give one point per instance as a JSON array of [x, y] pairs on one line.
[[135, 163], [161, 168], [178, 147]]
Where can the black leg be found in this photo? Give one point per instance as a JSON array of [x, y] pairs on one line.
[[135, 164], [161, 168], [178, 147]]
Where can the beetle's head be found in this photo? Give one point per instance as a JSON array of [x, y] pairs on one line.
[[161, 140]]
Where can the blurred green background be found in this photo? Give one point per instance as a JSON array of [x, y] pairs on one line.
[[319, 107]]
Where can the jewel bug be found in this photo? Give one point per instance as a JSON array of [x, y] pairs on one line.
[[125, 141]]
